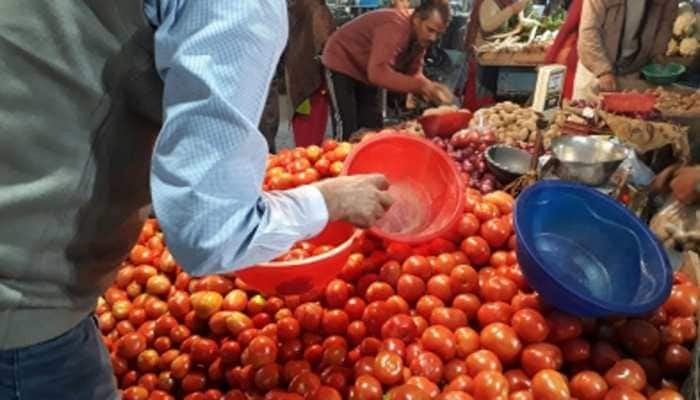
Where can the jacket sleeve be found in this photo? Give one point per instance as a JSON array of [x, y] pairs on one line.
[[386, 45], [591, 49], [668, 16]]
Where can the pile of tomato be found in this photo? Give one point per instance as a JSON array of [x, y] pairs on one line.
[[453, 319]]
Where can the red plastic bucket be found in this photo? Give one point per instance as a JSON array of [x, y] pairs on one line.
[[308, 275], [425, 184], [445, 125]]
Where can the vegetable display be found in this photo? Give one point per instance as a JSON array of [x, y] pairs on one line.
[[527, 33], [686, 32], [452, 319]]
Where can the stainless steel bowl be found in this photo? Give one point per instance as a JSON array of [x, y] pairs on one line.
[[587, 159], [507, 163]]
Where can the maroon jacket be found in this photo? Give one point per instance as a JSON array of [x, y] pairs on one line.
[[377, 49]]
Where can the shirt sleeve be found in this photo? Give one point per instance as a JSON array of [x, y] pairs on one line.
[[217, 58], [386, 46]]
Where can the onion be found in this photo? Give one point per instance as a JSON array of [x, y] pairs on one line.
[[481, 166], [473, 137], [486, 187], [467, 166]]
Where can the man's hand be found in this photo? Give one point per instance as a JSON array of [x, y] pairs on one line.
[[685, 183], [359, 199], [607, 83], [436, 93], [519, 6]]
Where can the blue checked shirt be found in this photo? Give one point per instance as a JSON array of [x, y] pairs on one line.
[[216, 58]]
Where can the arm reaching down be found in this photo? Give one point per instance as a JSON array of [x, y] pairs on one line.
[[216, 59]]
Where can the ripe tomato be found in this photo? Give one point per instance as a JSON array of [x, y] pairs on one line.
[[530, 325], [418, 266], [388, 367], [428, 365], [131, 345], [305, 383], [588, 385], [204, 351], [368, 387], [464, 279], [483, 360], [334, 322], [576, 350], [440, 340], [440, 286], [410, 287], [497, 311], [486, 211], [683, 301], [550, 385], [623, 393], [263, 350], [309, 316], [468, 303], [490, 385], [517, 380], [626, 373], [400, 326], [452, 318], [563, 327], [502, 340], [378, 291], [407, 392], [540, 356], [639, 337], [496, 231], [425, 385], [477, 250], [468, 225], [675, 360], [497, 288], [666, 394]]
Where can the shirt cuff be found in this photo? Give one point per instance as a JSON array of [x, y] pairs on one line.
[[314, 209]]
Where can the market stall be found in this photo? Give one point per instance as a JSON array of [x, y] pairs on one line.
[[453, 317]]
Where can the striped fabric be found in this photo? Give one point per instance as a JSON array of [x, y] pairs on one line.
[[216, 58]]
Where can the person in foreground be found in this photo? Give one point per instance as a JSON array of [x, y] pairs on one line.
[[106, 106], [382, 49]]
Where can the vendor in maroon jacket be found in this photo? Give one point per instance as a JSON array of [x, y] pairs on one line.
[[382, 49]]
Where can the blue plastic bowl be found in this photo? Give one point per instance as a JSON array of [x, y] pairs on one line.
[[588, 255]]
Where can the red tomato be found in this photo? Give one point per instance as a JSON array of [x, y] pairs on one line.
[[626, 373], [502, 340], [305, 383], [263, 350], [407, 392], [540, 356], [486, 211], [483, 360], [530, 325], [497, 288], [468, 303], [425, 385], [666, 394], [496, 232], [441, 341], [464, 279], [477, 250], [452, 318], [388, 367], [623, 393], [468, 225], [490, 385], [675, 360], [400, 326], [418, 266], [368, 387], [428, 365], [588, 385], [410, 287], [494, 312], [639, 337], [517, 380], [563, 327], [683, 301], [576, 350], [440, 286], [550, 385], [131, 345]]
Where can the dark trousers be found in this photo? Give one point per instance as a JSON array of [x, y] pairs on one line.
[[270, 120], [355, 105]]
